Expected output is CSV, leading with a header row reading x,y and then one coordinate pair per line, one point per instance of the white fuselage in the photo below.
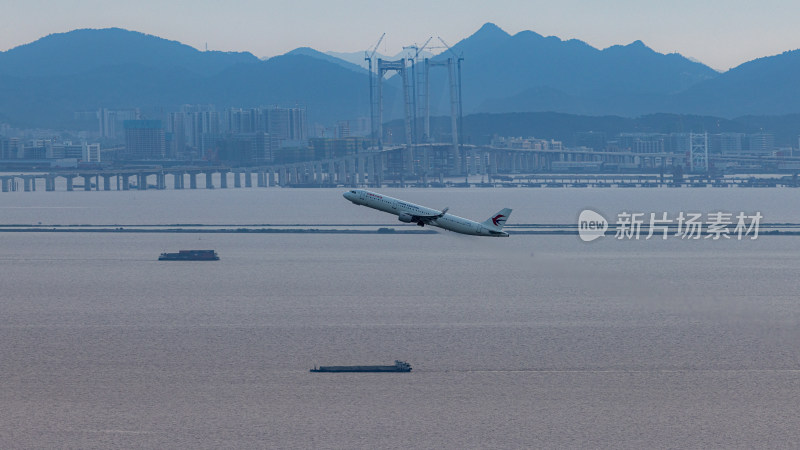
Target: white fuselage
x,y
406,210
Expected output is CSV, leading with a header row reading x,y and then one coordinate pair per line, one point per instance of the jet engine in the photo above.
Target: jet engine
x,y
405,217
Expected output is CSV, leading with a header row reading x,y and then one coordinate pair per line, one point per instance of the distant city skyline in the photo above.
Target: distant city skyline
x,y
719,33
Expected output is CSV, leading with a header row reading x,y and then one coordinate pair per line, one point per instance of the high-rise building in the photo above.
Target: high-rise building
x,y
243,148
678,143
90,153
5,148
109,120
728,142
176,127
761,142
37,149
144,139
15,149
287,124
343,129
642,142
237,120
62,150
201,123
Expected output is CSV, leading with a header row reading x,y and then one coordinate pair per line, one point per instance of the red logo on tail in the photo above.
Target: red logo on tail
x,y
498,218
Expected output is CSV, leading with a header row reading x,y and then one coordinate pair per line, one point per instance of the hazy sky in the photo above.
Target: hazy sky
x,y
720,33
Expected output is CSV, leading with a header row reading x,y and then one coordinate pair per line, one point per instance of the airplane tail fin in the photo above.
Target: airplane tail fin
x,y
498,220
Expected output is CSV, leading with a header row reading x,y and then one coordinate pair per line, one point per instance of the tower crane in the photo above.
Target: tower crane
x,y
369,55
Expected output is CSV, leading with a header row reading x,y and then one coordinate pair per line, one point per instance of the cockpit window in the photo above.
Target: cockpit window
x,y
352,192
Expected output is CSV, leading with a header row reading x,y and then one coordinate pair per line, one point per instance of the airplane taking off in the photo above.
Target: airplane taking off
x,y
409,212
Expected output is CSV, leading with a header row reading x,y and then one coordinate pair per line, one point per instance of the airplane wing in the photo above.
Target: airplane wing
x,y
426,219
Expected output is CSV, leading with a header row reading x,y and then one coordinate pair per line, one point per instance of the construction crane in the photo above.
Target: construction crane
x,y
418,50
369,55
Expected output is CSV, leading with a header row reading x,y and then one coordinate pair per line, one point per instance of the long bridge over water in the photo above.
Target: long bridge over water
x,y
420,165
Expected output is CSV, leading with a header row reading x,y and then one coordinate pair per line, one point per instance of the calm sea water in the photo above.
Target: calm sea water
x,y
530,341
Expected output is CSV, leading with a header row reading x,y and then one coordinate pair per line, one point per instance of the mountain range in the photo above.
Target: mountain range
x,y
530,72
43,83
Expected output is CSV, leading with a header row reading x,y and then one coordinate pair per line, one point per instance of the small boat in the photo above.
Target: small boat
x,y
399,366
190,255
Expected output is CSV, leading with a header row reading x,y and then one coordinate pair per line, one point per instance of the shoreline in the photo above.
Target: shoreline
x,y
383,231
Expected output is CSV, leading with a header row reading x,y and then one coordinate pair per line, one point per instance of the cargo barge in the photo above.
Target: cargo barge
x,y
190,255
399,366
